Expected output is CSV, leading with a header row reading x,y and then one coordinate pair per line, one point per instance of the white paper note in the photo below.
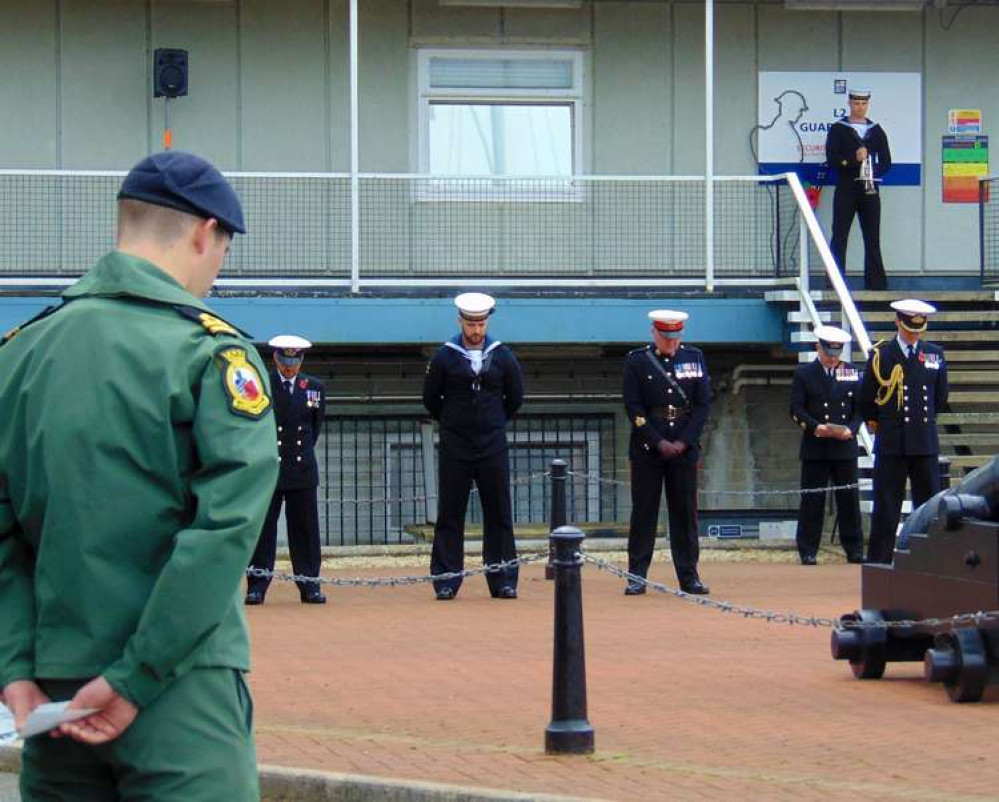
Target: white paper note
x,y
8,732
49,716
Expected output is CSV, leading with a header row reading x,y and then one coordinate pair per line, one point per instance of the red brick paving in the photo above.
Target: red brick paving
x,y
687,703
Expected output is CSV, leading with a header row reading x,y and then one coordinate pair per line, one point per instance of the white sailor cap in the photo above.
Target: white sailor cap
x,y
288,348
832,335
475,305
858,93
913,314
668,322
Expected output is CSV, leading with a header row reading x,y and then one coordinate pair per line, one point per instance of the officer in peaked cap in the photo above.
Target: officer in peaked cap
x,y
825,405
903,390
473,386
852,141
666,395
299,407
127,517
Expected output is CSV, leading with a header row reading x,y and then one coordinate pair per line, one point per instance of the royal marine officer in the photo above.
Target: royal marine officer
x,y
853,144
666,395
903,390
299,407
473,387
136,460
825,404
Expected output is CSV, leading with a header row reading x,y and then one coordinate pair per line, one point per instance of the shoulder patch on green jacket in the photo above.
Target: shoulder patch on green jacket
x,y
12,333
212,323
242,383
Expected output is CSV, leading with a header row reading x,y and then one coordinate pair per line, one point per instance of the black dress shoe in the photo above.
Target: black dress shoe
x,y
254,597
445,594
696,588
314,598
856,558
808,559
635,589
507,592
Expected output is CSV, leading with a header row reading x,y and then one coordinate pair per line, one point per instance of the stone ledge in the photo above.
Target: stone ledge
x,y
279,784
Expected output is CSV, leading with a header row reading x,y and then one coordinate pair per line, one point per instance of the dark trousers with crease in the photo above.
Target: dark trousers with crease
x,y
811,513
491,476
649,479
890,473
848,202
303,539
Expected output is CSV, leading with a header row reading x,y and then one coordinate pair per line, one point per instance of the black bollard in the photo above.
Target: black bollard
x,y
560,471
569,733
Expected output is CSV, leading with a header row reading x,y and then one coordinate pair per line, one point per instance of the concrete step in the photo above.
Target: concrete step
x,y
964,316
968,418
972,376
887,296
972,355
987,397
961,461
982,440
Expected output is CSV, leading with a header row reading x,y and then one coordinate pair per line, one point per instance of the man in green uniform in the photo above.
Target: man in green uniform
x,y
137,458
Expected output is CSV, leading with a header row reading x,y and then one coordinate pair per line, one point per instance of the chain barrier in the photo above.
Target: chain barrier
x,y
363,502
595,477
394,581
791,619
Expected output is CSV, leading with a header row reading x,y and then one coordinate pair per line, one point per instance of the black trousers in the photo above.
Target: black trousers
x,y
890,473
302,516
850,201
492,477
811,513
649,479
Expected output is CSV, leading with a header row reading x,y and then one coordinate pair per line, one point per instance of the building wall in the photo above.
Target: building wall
x,y
269,87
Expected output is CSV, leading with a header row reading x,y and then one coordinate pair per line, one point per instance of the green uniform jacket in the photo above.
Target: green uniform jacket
x,y
138,455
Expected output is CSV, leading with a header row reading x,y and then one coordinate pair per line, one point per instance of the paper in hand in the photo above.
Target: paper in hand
x,y
8,732
49,716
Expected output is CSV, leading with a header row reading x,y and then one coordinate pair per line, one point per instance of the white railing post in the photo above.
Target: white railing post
x,y
709,146
803,267
355,204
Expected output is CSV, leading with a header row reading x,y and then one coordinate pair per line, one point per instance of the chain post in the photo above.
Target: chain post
x,y
559,474
570,732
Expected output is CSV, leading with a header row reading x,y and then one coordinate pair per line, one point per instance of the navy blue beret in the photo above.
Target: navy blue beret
x,y
187,183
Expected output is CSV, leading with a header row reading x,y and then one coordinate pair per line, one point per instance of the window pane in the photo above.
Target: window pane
x,y
496,139
481,73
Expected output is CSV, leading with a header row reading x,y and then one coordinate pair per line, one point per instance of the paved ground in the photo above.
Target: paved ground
x,y
687,703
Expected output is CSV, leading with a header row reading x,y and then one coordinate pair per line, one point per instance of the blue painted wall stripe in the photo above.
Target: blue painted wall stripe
x,y
373,321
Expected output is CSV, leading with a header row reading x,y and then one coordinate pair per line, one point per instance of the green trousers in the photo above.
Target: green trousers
x,y
193,744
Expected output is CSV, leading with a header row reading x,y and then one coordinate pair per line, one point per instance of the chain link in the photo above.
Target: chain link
x,y
791,619
801,491
394,581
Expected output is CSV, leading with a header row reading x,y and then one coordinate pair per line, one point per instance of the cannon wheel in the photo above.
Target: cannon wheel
x,y
871,662
972,675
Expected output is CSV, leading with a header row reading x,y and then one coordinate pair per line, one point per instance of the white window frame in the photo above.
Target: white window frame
x,y
574,96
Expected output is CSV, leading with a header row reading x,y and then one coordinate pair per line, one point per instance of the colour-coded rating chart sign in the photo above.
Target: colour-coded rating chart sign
x,y
965,160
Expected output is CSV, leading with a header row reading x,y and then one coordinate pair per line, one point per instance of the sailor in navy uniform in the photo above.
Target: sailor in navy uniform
x,y
903,390
299,406
850,141
666,396
473,386
825,404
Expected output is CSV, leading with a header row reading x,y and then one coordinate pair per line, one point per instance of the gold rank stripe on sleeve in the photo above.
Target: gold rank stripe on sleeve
x,y
213,324
243,385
